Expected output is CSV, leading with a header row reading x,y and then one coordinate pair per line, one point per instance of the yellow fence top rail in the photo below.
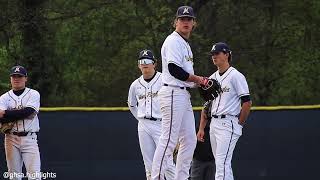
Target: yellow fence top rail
x,y
254,108
84,109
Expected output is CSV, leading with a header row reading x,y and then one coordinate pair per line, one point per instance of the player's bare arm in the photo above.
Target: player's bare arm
x,y
244,113
202,125
199,80
181,74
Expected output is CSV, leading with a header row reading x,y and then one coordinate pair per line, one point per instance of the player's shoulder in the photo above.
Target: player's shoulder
x,y
136,81
173,35
33,92
5,95
214,75
172,39
159,77
237,75
235,72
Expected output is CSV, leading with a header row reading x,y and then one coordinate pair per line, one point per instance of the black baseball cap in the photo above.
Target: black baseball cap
x,y
220,47
146,54
146,57
185,11
18,70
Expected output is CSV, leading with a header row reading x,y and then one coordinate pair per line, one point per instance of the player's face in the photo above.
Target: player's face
x,y
184,25
18,82
147,68
219,58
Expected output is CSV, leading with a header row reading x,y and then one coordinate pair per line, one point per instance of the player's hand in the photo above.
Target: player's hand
x,y
200,80
203,81
200,135
241,123
2,112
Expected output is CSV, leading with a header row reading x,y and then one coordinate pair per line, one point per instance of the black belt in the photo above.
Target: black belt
x,y
23,133
221,116
186,88
152,119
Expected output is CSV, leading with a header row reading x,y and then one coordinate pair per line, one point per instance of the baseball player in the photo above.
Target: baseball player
x,y
203,165
20,107
143,103
229,111
178,123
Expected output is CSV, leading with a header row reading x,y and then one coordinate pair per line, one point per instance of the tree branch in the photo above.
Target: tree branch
x,y
65,16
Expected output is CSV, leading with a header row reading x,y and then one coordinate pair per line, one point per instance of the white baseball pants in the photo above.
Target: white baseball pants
x,y
23,149
224,134
149,133
178,124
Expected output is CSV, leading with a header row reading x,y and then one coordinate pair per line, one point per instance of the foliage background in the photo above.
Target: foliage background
x,y
84,52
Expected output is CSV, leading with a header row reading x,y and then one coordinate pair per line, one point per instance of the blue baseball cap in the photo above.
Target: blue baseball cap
x,y
220,47
146,57
185,11
18,70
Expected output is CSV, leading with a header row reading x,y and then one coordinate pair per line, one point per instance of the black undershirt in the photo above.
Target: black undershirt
x,y
148,80
224,71
183,37
19,92
14,115
245,99
178,72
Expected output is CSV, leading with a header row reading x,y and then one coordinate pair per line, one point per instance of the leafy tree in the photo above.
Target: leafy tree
x,y
84,53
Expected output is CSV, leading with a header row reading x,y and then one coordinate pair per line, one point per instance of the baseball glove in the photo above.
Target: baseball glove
x,y
6,127
211,90
175,153
207,108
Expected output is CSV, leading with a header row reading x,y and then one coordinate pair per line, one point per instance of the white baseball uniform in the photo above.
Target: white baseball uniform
x,y
178,123
225,129
23,149
143,103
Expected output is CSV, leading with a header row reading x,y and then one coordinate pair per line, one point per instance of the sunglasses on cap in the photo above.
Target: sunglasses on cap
x,y
145,61
216,53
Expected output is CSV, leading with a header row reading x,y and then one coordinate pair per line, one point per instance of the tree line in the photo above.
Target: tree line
x,y
84,52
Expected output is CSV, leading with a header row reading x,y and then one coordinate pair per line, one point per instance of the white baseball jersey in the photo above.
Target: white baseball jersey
x,y
178,118
178,51
29,98
234,85
146,95
143,103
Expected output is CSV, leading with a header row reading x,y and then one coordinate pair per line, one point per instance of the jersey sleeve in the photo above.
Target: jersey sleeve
x,y
240,84
173,53
132,100
34,101
3,105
